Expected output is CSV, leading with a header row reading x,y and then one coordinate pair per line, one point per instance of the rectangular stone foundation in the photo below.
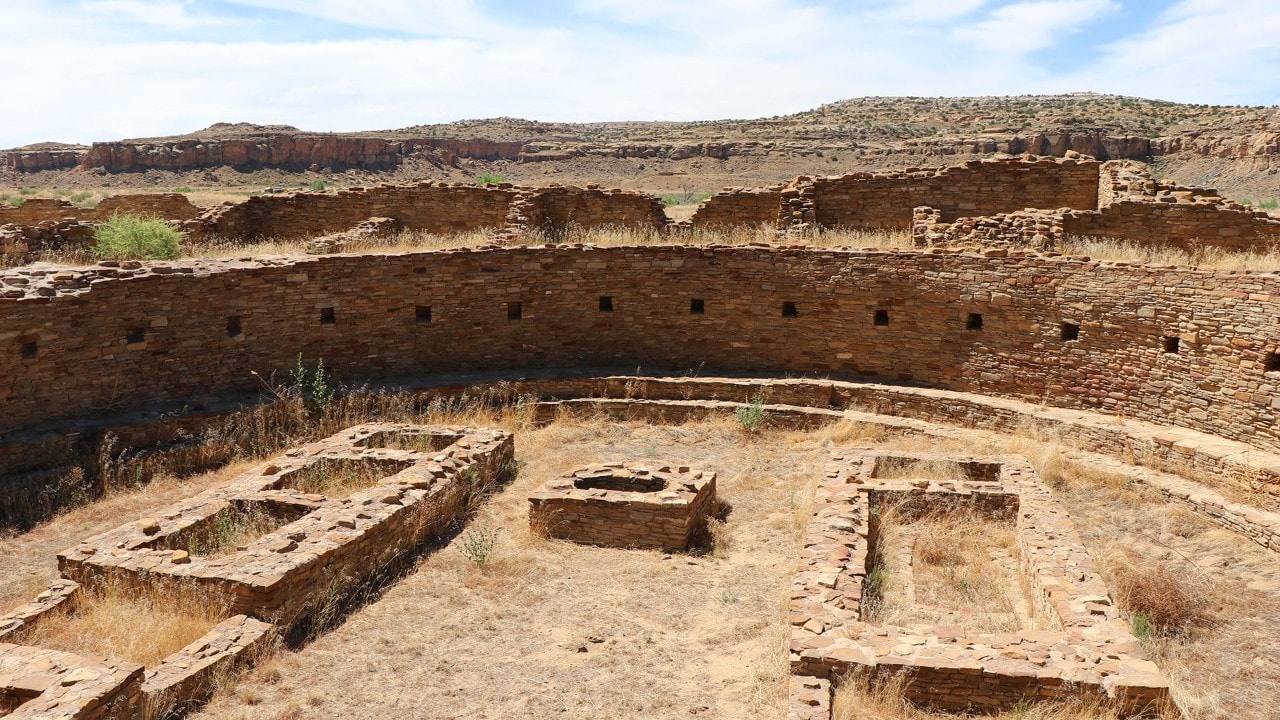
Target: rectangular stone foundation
x,y
657,506
1093,652
283,575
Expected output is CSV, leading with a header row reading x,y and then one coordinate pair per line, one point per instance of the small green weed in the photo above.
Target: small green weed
x,y
477,545
317,185
1142,626
490,179
183,189
315,388
752,418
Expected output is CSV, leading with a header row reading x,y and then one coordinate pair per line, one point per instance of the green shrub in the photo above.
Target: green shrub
x,y
490,179
136,237
1269,204
477,545
317,185
81,196
184,189
752,418
16,201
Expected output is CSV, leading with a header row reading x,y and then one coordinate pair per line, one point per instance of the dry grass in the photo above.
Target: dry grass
x,y
864,696
142,627
1211,257
1159,600
607,236
456,640
232,528
947,568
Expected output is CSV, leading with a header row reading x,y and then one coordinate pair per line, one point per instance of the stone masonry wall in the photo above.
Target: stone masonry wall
x,y
1034,229
739,207
884,200
1173,346
553,210
433,207
1185,225
169,206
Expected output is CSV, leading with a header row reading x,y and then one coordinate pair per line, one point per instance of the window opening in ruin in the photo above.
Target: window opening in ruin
x,y
422,313
1070,331
606,303
233,326
974,322
789,310
882,318
697,307
328,316
30,348
1172,344
136,335
1273,362
514,311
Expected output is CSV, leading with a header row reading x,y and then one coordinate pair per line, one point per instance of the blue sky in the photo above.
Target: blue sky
x,y
104,69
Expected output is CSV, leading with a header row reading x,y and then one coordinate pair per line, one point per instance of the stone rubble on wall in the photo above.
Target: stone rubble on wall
x,y
55,685
370,232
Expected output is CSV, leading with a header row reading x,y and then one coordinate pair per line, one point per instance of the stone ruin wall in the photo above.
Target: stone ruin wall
x,y
553,210
1133,207
739,207
79,342
170,206
884,200
432,207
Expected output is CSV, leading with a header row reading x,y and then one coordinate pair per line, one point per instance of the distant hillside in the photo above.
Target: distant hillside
x,y
1236,148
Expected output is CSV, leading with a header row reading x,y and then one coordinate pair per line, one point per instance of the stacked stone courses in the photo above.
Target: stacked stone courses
x,y
282,575
124,336
1091,652
651,505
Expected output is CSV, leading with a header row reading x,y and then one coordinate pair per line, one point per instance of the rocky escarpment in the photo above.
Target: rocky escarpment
x,y
1193,143
286,149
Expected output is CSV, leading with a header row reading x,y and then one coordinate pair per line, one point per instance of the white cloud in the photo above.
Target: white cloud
x,y
1025,27
1198,51
100,78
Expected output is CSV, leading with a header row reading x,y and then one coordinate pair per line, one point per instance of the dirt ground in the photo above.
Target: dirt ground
x,y
554,630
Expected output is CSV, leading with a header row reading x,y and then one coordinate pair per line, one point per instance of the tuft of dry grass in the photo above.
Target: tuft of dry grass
x,y
1210,257
881,696
1159,600
953,567
142,627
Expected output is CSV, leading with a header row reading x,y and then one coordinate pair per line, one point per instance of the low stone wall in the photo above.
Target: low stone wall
x,y
431,207
167,206
188,677
651,505
283,575
1094,653
884,200
552,211
737,208
1033,229
37,684
1190,226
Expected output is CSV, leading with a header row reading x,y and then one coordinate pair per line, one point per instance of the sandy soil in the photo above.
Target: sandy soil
x,y
555,630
